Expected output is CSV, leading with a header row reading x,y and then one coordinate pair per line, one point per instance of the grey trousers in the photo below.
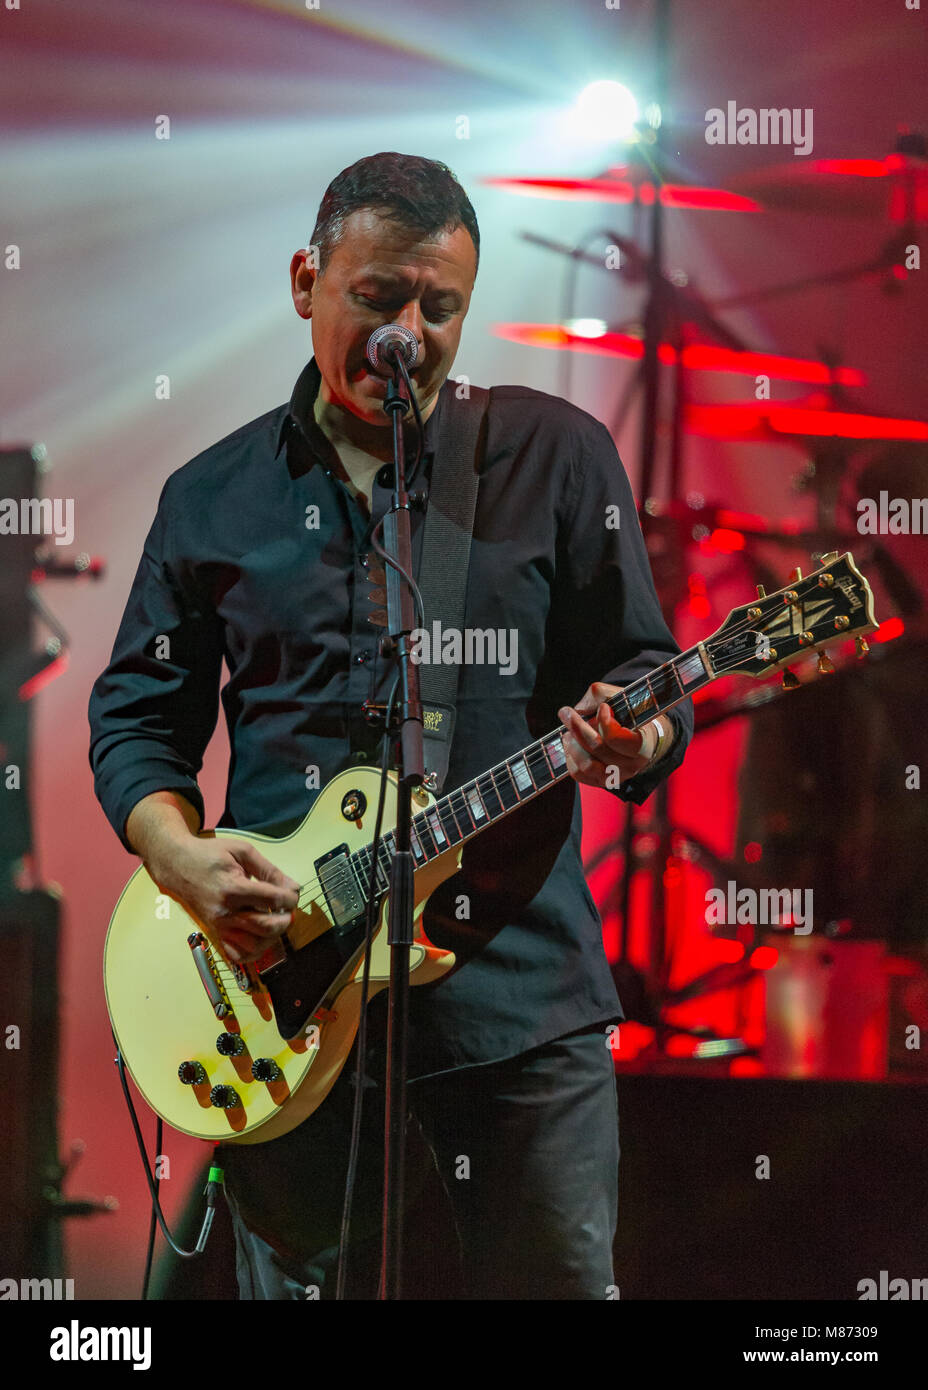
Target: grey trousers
x,y
527,1150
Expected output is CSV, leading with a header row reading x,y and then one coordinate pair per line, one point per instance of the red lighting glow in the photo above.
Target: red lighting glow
x,y
764,958
861,168
696,357
699,603
723,541
747,422
888,631
613,190
44,677
727,952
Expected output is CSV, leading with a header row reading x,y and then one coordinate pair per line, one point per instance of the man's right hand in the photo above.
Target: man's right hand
x,y
241,898
210,877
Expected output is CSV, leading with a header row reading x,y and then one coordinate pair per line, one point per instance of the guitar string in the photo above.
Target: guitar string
x,y
312,886
310,892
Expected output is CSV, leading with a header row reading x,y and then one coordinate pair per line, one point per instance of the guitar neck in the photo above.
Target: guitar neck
x,y
460,815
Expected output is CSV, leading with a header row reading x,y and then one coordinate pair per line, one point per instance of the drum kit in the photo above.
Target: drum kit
x,y
824,795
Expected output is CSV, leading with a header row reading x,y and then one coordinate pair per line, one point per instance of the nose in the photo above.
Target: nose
x,y
411,317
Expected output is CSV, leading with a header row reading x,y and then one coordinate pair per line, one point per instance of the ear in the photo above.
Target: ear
x,y
303,275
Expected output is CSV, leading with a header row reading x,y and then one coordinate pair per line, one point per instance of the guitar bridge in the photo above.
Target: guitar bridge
x,y
205,962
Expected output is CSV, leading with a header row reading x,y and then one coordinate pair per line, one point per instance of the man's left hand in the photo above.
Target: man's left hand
x,y
603,753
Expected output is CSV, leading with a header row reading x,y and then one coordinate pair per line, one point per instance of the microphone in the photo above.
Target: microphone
x,y
388,340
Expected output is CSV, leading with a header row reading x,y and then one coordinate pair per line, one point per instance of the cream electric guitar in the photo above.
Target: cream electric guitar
x,y
245,1053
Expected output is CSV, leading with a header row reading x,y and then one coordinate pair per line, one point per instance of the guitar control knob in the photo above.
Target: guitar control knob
x,y
191,1073
224,1097
230,1044
265,1069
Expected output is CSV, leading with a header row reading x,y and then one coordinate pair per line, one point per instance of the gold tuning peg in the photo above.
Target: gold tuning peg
x,y
790,682
796,574
825,664
761,591
863,646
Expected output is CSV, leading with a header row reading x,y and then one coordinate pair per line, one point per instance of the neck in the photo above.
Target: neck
x,y
345,430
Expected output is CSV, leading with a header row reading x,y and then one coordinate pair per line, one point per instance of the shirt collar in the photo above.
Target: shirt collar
x,y
299,418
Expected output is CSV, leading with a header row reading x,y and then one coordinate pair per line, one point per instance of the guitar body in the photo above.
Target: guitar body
x,y
175,1002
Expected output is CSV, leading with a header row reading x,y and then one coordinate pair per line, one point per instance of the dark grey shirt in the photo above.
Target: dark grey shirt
x,y
239,567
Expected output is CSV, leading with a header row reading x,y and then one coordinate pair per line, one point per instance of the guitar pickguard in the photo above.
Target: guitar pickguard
x,y
299,984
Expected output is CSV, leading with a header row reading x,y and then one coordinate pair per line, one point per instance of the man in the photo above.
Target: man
x,y
510,1066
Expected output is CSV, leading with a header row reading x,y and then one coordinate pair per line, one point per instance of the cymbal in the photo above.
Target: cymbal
x,y
615,187
767,422
895,187
599,339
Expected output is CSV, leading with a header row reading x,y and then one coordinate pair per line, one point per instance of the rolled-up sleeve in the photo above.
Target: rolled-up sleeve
x,y
153,710
618,630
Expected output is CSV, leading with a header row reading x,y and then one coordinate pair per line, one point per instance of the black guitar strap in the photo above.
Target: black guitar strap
x,y
443,565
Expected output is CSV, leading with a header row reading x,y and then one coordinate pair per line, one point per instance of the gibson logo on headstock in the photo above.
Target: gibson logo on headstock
x,y
849,590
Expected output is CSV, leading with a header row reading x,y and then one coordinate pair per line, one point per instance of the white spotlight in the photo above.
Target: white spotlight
x,y
607,111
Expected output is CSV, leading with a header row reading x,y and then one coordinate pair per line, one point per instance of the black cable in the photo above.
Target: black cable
x,y
395,564
214,1183
420,428
153,1222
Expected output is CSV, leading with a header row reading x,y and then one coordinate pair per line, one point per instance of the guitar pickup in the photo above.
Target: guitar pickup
x,y
205,962
342,895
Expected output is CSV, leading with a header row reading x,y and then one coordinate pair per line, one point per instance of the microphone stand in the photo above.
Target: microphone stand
x,y
409,759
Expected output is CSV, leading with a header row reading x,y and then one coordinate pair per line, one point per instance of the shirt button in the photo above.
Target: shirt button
x,y
364,561
361,658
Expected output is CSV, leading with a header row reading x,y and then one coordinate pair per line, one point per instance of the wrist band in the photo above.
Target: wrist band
x,y
663,741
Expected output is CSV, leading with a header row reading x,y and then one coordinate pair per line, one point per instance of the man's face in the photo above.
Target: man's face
x,y
381,272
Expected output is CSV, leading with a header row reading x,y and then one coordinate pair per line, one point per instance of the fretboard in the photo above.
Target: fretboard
x,y
471,808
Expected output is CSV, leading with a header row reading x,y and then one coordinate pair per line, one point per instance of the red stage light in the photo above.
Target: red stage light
x,y
861,168
747,421
764,958
715,359
724,541
44,677
699,603
888,631
697,357
743,520
707,199
844,424
727,952
610,189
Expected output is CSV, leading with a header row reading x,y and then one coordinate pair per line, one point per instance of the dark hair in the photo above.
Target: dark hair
x,y
418,193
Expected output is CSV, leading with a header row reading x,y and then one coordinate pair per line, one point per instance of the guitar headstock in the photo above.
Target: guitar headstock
x,y
833,603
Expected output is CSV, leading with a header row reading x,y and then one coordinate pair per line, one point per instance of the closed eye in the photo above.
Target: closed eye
x,y
385,306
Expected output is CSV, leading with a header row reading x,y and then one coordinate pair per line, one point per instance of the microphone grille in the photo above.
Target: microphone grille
x,y
392,332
